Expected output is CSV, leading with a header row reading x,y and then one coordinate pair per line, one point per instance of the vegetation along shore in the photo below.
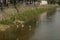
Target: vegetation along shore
x,y
26,16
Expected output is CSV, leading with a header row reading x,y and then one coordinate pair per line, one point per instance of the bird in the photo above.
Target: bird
x,y
21,22
30,27
17,26
22,25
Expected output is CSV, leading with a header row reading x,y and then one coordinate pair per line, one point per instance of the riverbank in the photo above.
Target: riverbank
x,y
26,16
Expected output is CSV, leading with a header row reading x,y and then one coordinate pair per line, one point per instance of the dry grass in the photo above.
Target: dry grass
x,y
4,27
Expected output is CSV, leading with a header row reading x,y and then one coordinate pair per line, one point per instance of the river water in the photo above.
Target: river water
x,y
46,28
49,27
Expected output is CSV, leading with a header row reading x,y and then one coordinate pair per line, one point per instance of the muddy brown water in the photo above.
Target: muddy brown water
x,y
46,28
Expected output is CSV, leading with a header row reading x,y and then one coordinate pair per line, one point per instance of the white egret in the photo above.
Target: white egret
x,y
30,27
22,25
17,26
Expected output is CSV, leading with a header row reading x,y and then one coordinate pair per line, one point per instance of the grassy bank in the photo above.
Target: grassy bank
x,y
26,16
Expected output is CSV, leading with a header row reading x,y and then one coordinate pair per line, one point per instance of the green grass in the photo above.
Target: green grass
x,y
25,16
